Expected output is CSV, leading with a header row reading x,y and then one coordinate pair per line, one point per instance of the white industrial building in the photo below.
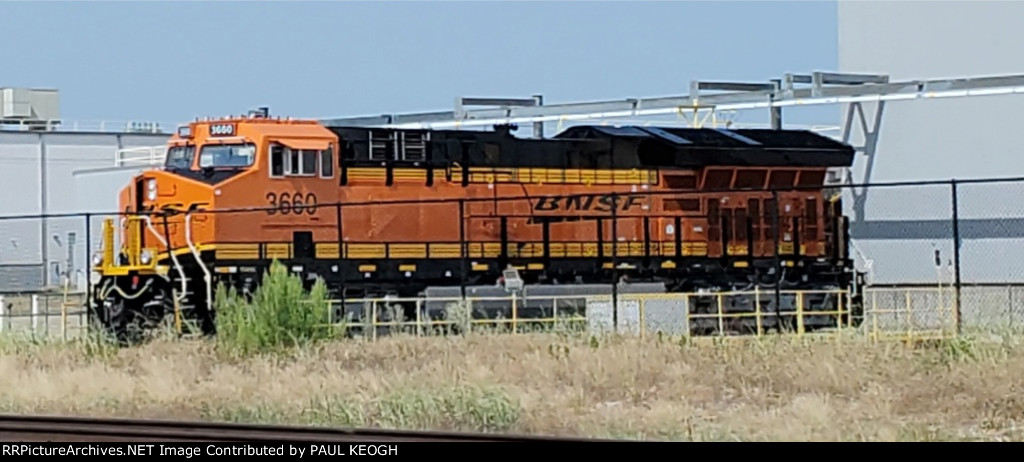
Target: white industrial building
x,y
50,168
961,138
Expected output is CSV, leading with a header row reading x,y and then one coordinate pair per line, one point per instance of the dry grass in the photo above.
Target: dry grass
x,y
549,384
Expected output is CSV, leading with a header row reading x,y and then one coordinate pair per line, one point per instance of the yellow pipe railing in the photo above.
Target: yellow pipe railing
x,y
635,309
899,313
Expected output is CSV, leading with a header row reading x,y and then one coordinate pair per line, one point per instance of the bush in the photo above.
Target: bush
x,y
281,314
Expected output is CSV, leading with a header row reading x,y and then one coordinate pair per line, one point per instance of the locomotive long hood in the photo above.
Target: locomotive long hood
x,y
701,147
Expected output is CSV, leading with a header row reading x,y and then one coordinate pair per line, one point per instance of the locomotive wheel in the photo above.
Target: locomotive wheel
x,y
159,317
121,321
205,321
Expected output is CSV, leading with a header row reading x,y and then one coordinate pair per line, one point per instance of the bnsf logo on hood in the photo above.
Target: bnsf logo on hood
x,y
603,203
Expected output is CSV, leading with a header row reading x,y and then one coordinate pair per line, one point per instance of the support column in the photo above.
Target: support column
x,y
776,116
776,112
538,127
44,228
868,148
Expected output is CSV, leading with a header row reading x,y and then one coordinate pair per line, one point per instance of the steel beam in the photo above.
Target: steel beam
x,y
697,85
496,102
835,78
385,120
505,104
538,127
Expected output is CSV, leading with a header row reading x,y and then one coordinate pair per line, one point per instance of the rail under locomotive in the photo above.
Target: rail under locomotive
x,y
433,213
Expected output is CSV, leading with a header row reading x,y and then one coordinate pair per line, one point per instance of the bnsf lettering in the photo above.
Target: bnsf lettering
x,y
589,203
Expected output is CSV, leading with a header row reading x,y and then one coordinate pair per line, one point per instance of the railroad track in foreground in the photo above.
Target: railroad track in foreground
x,y
17,428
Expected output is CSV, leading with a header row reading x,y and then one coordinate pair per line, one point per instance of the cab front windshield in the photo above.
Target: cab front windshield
x,y
180,157
227,155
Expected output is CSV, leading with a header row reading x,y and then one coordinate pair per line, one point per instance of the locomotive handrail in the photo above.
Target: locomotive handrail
x,y
471,200
195,253
174,258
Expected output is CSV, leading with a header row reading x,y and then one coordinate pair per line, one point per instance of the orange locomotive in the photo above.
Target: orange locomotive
x,y
375,212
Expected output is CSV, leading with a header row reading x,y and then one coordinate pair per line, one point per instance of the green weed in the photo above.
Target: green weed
x,y
280,315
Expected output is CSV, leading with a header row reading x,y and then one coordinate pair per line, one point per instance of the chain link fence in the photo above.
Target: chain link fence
x,y
942,256
941,252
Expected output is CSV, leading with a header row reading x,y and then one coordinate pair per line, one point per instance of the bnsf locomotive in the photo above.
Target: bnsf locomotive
x,y
431,213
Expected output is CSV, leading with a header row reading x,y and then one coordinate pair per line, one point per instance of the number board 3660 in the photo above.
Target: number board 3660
x,y
222,130
291,203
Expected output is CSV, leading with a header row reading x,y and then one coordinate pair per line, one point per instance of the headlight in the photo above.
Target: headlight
x,y
151,189
97,259
146,257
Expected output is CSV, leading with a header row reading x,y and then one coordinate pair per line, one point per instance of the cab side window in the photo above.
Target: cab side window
x,y
288,162
327,163
307,163
276,161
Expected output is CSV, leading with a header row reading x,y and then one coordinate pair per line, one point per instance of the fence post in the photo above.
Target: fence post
x,y
641,306
956,253
1010,305
463,247
419,318
757,308
35,313
63,317
373,319
721,320
778,260
88,272
615,265
800,313
341,262
5,315
515,315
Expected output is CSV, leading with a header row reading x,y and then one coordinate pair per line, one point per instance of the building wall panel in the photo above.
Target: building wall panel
x,y
30,185
940,139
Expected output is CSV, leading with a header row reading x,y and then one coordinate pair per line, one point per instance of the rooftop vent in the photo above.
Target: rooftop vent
x,y
32,108
261,112
142,127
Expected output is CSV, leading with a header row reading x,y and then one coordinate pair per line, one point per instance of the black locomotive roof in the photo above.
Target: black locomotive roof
x,y
708,137
712,146
601,146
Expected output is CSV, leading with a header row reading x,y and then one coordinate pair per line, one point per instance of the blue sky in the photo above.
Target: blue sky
x,y
173,61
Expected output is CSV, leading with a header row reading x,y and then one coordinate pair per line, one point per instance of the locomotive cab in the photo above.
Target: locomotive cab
x,y
222,163
167,229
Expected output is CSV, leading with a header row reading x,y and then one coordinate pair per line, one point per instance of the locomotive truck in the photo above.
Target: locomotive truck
x,y
377,212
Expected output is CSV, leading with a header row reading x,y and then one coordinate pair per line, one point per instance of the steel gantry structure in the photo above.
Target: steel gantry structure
x,y
792,90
